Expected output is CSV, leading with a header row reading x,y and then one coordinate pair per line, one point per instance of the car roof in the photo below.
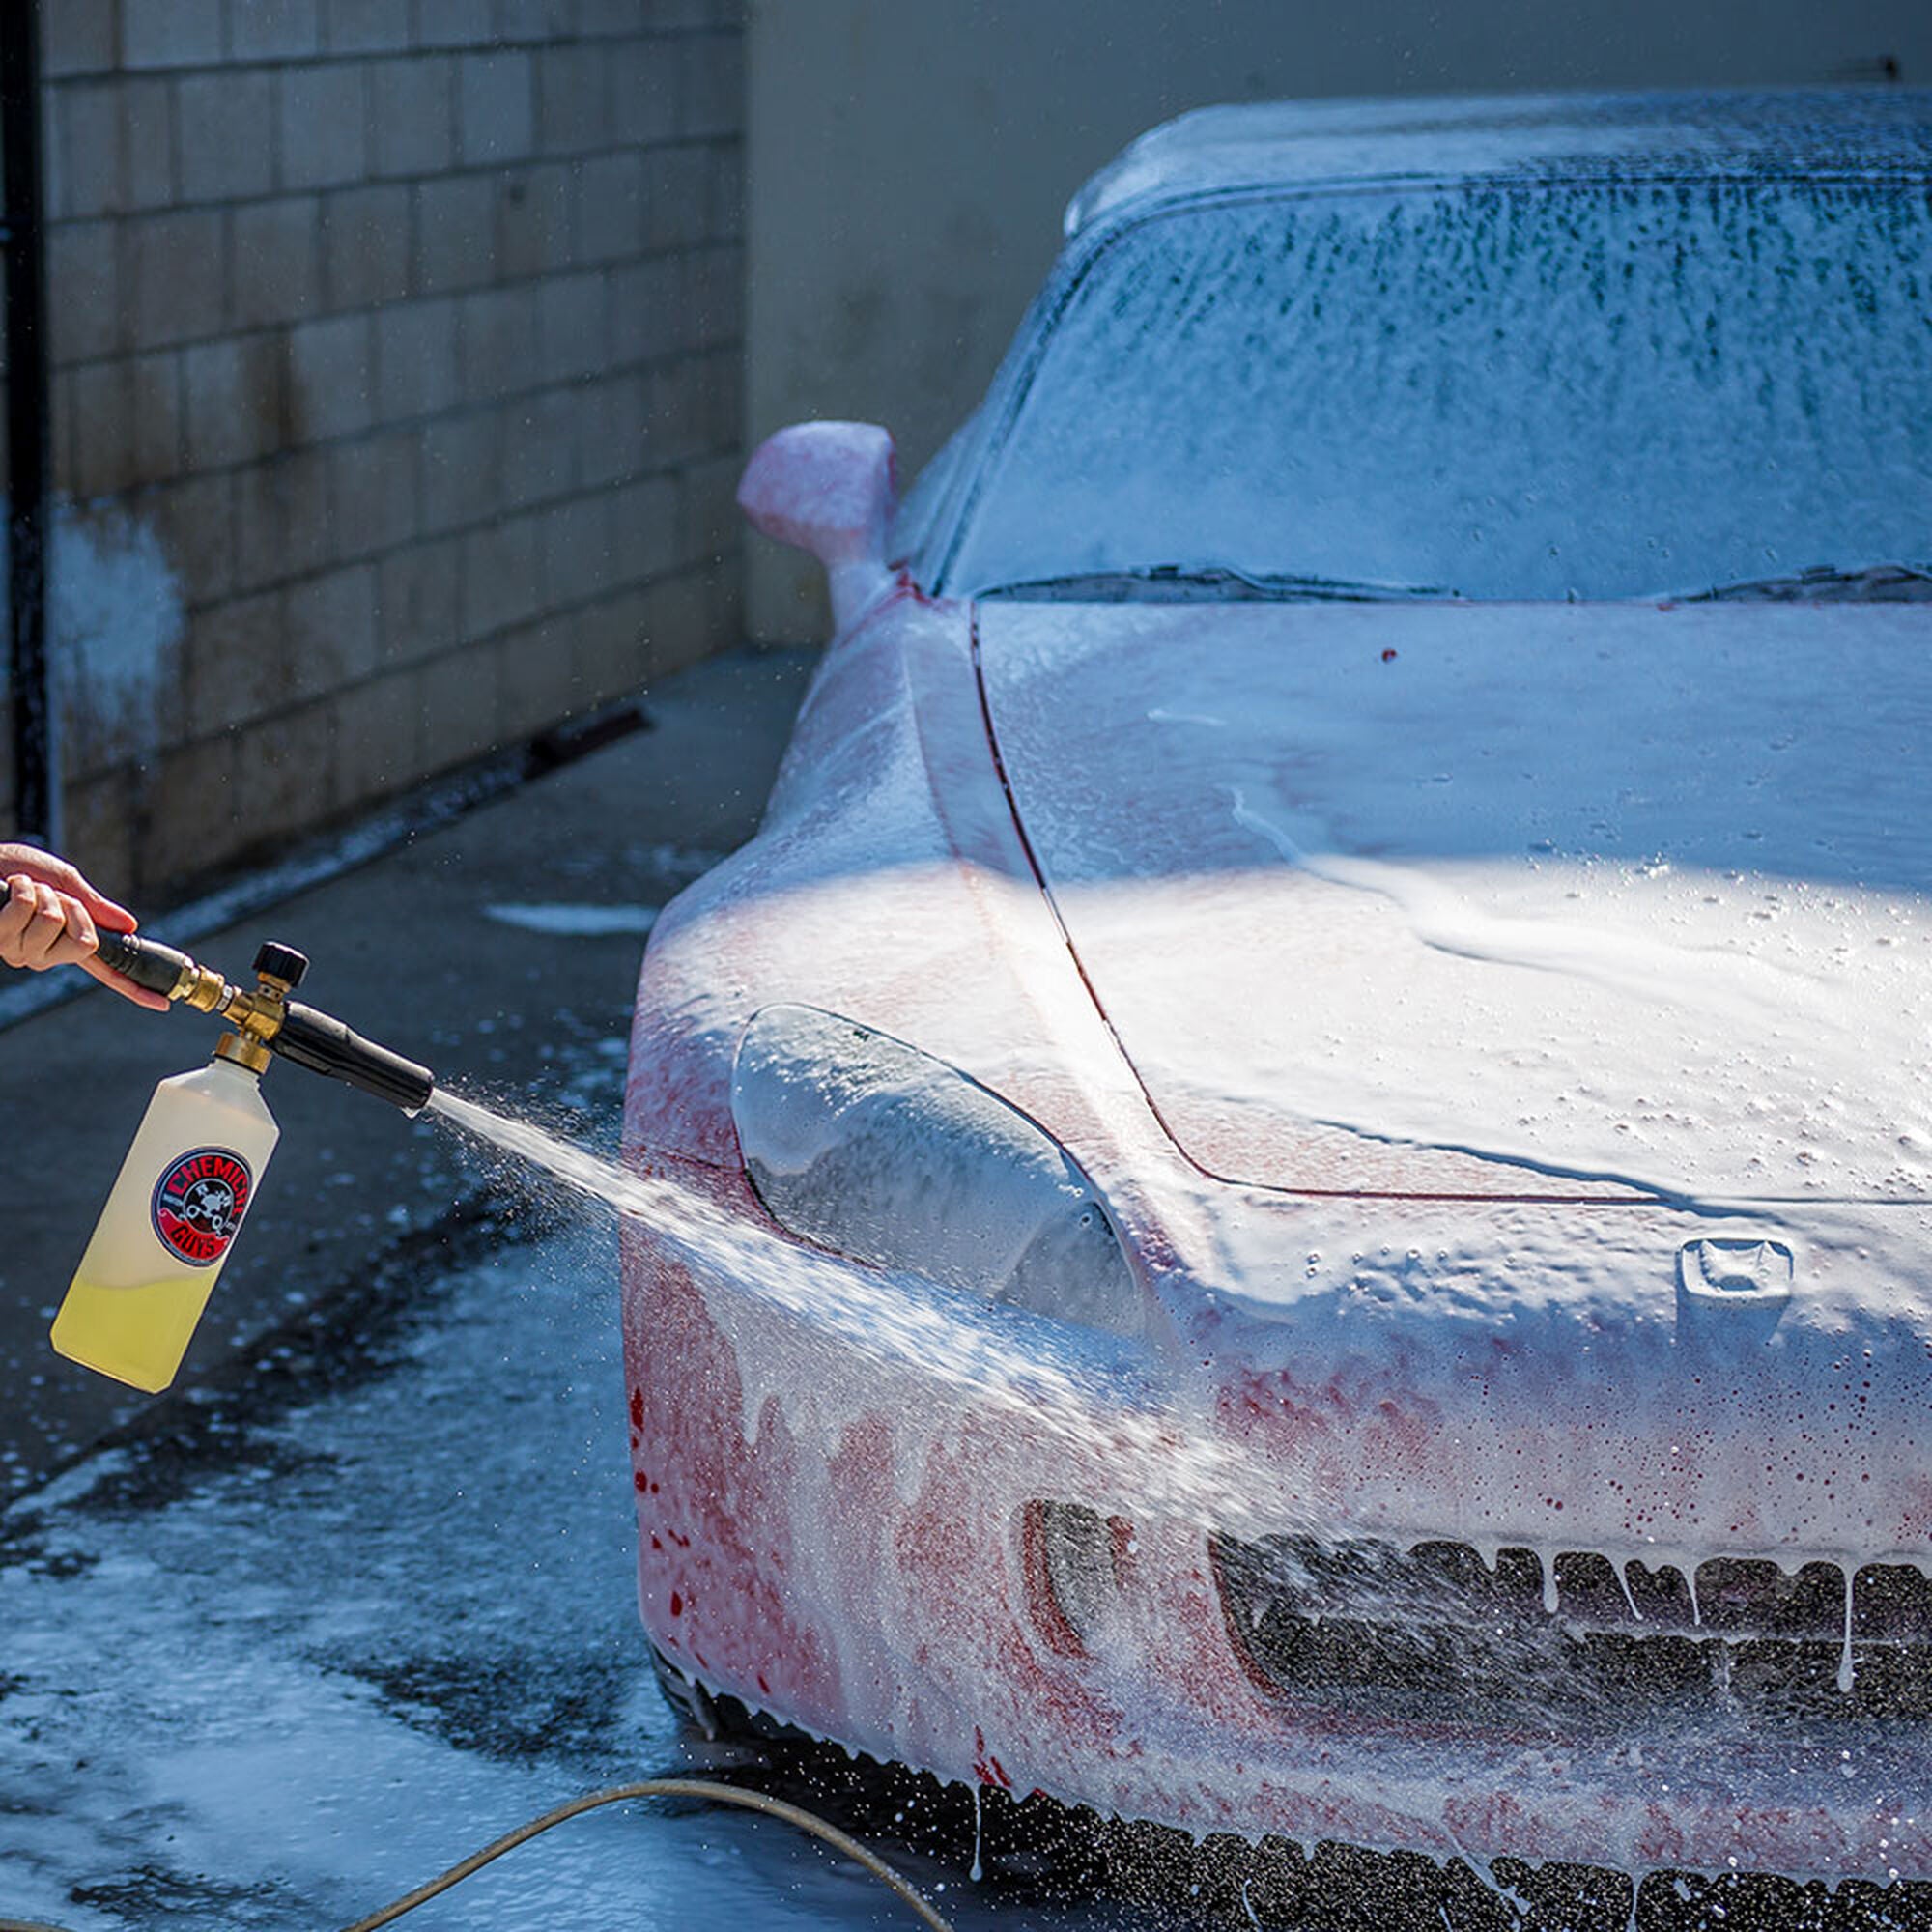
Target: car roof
x,y
1293,144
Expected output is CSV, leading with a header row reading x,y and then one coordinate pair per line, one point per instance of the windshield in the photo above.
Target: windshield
x,y
1577,389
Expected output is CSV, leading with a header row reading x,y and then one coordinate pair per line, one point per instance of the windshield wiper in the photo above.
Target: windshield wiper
x,y
1826,584
1216,583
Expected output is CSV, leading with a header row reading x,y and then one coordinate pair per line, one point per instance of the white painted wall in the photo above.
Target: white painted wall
x,y
908,159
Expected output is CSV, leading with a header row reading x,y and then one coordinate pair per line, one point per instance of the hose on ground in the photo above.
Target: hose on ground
x,y
649,1787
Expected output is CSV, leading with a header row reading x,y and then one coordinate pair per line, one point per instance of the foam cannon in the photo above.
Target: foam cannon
x,y
199,1155
267,1022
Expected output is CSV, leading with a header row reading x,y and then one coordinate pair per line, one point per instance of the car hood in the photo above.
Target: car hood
x,y
1512,900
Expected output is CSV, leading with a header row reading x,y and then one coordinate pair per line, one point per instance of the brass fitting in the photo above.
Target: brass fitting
x,y
257,1017
201,987
243,1052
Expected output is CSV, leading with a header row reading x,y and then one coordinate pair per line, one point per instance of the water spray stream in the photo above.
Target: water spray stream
x,y
577,1167
1128,1434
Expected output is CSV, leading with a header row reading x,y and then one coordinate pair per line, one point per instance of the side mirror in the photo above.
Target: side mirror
x,y
827,488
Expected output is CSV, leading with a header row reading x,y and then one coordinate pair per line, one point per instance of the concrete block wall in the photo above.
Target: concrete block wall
x,y
396,402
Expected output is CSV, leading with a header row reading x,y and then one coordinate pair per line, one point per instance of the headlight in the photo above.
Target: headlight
x,y
862,1143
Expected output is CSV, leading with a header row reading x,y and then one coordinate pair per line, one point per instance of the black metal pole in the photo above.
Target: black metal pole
x,y
36,798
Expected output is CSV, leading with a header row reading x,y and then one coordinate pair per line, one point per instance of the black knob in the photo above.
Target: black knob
x,y
281,962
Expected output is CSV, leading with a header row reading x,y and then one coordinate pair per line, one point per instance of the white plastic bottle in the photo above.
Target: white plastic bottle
x,y
170,1223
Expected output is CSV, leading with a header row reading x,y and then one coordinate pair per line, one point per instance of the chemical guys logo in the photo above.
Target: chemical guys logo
x,y
199,1203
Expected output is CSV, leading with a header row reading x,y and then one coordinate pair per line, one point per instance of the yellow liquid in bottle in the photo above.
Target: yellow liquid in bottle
x,y
137,1335
166,1230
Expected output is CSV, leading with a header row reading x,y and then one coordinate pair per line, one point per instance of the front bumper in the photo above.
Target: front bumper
x,y
952,1537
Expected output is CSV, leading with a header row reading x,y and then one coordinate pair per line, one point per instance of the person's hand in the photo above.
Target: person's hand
x,y
53,916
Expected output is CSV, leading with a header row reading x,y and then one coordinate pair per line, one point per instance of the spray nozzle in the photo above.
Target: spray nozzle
x,y
267,1022
324,1045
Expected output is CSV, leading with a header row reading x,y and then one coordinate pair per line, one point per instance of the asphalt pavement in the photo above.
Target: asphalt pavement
x,y
499,949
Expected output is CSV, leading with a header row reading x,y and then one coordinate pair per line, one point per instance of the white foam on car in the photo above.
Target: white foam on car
x,y
856,1320
1602,890
1502,1373
1512,389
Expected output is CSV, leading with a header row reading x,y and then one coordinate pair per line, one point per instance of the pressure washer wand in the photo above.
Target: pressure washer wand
x,y
268,1019
199,1156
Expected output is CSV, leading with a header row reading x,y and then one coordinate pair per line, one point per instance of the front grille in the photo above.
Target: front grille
x,y
1434,1632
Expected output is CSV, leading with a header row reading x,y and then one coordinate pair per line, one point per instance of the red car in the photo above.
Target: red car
x,y
1314,1107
